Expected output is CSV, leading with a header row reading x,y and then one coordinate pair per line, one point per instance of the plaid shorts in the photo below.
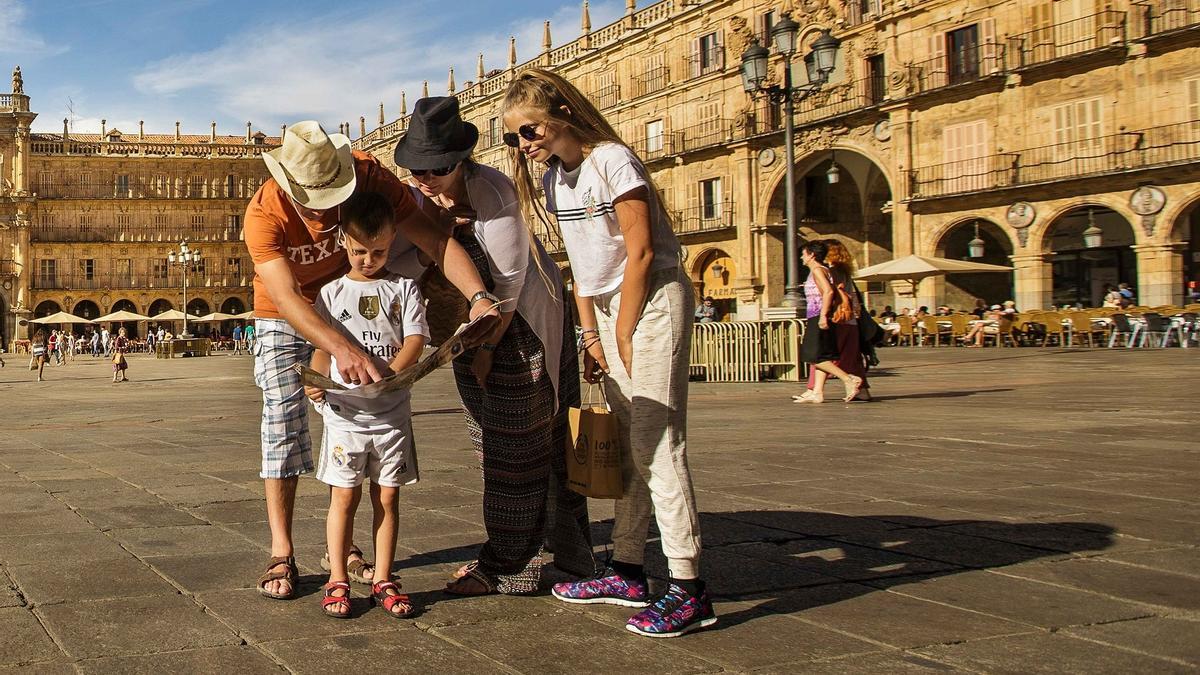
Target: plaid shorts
x,y
286,444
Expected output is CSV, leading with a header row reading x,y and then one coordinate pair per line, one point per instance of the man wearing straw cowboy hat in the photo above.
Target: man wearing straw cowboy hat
x,y
292,230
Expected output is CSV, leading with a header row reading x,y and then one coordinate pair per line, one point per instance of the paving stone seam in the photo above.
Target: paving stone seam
x,y
470,650
1126,648
1066,634
1165,611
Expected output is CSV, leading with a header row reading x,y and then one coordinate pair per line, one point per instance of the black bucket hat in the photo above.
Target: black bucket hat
x,y
437,135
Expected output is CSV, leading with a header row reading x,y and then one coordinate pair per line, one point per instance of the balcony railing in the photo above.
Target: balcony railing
x,y
101,281
958,67
133,185
14,103
652,148
132,234
48,145
608,97
709,133
705,218
1073,38
861,11
1166,16
651,81
1149,148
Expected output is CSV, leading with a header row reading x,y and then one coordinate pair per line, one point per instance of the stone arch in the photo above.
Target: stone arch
x,y
713,272
124,305
131,327
86,309
198,307
1046,222
1184,234
774,180
159,306
233,305
1079,274
961,290
46,308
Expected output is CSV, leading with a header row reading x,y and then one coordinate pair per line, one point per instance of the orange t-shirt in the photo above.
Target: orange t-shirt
x,y
273,229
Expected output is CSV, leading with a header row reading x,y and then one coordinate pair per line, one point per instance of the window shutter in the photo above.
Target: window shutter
x,y
720,55
1193,98
990,52
937,62
693,202
1041,44
760,29
694,60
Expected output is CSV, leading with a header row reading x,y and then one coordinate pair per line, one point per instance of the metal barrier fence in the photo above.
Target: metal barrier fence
x,y
748,351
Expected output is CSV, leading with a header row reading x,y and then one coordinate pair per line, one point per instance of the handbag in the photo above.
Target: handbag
x,y
869,332
843,305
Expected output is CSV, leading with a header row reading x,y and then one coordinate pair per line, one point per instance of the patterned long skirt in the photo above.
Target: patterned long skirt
x,y
520,440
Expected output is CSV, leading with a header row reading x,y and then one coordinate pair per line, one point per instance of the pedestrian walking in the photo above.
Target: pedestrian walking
x,y
120,347
845,332
39,356
824,296
625,259
516,387
237,339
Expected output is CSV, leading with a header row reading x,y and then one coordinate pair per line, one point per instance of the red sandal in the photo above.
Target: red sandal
x,y
380,596
330,599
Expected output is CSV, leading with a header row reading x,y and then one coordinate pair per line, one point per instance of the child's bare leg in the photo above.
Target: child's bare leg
x,y
343,502
387,512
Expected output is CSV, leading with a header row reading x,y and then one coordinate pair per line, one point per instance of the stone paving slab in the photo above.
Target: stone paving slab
x,y
1018,525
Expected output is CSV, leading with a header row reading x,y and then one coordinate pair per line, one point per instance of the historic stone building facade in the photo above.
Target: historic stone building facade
x,y
87,220
1025,120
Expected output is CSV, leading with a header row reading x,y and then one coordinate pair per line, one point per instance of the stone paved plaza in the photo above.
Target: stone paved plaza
x,y
996,511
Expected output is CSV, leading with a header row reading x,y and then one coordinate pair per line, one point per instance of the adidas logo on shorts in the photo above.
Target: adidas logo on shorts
x,y
344,316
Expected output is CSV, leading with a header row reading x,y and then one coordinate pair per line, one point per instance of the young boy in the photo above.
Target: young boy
x,y
368,437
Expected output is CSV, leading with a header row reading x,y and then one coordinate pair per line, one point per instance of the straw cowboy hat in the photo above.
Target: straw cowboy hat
x,y
316,169
437,136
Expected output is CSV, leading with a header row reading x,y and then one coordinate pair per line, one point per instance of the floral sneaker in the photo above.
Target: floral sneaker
x,y
610,590
674,614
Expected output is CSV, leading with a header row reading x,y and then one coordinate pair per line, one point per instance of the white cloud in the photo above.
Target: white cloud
x,y
336,71
16,38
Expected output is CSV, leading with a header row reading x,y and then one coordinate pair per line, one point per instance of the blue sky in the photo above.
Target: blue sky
x,y
265,61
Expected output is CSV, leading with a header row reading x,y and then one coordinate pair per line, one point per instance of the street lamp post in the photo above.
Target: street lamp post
x,y
820,63
186,260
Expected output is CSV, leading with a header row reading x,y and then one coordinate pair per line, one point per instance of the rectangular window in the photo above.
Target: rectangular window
x,y
124,220
87,268
160,270
766,21
709,53
710,199
46,218
654,75
962,48
654,138
45,183
47,271
877,78
86,220
161,185
1074,26
966,150
122,186
1193,106
231,186
160,220
1078,134
494,134
85,184
233,267
123,270
197,222
196,187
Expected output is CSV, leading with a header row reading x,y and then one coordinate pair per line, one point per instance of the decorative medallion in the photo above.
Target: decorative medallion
x,y
766,157
1020,215
882,131
1147,200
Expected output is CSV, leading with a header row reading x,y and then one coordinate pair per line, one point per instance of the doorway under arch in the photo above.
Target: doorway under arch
x,y
86,309
233,305
197,307
1080,274
713,276
46,308
131,327
159,306
1187,231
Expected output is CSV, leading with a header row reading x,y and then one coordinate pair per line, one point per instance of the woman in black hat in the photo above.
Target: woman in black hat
x,y
517,386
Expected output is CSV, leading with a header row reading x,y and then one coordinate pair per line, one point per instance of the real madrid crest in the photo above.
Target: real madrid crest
x,y
368,306
394,313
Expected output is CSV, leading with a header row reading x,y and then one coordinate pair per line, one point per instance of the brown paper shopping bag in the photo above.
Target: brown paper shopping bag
x,y
594,449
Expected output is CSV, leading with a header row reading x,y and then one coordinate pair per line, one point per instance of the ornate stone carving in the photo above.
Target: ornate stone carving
x,y
18,83
740,36
899,81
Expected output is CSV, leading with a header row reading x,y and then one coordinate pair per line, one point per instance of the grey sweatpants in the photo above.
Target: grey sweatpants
x,y
651,410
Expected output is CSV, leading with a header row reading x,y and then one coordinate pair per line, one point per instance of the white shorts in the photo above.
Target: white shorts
x,y
388,458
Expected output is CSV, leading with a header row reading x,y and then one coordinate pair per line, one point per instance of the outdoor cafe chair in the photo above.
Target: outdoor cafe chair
x,y
1053,326
906,331
960,325
1083,328
1121,328
1157,329
933,330
1188,328
1004,332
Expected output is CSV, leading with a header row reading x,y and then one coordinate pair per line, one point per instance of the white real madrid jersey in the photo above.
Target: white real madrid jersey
x,y
376,315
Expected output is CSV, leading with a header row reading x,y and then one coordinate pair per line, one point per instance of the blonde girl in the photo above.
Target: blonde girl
x,y
635,308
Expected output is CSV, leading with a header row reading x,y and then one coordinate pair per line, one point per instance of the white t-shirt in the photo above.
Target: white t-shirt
x,y
375,315
582,201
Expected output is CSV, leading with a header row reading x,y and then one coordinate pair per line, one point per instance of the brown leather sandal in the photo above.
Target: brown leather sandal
x,y
290,573
354,568
472,582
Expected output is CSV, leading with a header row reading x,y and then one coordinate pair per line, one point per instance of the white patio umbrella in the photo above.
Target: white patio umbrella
x,y
211,318
62,317
245,316
914,268
122,316
169,315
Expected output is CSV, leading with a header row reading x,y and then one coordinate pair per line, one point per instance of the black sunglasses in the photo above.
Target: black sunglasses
x,y
527,131
444,171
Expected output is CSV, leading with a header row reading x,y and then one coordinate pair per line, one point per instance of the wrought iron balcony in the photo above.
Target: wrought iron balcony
x,y
1168,16
1149,148
607,97
705,218
1068,39
106,280
651,81
134,234
955,68
653,148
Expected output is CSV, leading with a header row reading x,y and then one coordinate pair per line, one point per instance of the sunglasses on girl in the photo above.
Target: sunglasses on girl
x,y
444,171
527,131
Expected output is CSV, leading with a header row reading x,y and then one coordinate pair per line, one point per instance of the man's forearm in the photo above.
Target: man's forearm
x,y
460,270
300,315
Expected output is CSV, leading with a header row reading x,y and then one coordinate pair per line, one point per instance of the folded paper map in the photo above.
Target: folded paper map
x,y
404,379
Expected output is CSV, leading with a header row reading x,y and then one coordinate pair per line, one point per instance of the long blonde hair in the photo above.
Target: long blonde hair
x,y
548,93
